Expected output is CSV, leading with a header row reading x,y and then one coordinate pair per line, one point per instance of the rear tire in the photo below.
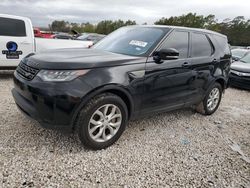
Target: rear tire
x,y
102,121
211,101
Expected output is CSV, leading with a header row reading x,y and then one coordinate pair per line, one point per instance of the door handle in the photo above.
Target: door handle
x,y
186,64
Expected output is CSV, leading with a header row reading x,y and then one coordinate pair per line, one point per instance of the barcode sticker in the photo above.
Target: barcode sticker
x,y
138,43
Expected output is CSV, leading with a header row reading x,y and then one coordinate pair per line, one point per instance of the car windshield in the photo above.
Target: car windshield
x,y
134,41
246,59
238,53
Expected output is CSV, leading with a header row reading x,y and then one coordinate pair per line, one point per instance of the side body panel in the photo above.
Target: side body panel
x,y
171,85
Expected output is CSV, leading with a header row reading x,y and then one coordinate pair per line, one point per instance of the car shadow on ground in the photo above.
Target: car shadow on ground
x,y
60,142
159,116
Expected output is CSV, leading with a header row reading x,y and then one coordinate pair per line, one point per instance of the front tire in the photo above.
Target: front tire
x,y
211,101
102,121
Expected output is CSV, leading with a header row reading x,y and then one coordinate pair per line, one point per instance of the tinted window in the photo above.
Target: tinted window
x,y
135,41
12,27
179,41
200,46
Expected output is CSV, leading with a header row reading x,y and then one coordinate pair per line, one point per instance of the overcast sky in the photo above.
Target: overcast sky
x,y
43,12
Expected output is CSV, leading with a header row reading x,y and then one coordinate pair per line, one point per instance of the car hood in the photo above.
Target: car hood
x,y
240,66
78,58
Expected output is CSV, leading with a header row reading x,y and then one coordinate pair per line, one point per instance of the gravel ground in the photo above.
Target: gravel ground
x,y
176,149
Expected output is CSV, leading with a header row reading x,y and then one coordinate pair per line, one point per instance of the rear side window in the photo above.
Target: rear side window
x,y
12,27
201,47
179,41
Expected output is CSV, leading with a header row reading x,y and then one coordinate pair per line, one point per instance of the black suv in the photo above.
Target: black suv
x,y
135,71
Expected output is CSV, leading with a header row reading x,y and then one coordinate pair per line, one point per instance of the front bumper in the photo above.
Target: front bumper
x,y
53,105
239,81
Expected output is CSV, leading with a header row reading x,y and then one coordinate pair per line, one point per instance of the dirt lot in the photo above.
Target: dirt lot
x,y
177,149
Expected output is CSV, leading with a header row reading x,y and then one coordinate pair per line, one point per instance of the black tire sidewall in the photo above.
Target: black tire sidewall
x,y
83,127
207,111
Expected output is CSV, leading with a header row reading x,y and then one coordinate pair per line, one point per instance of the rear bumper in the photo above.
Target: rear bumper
x,y
53,106
239,81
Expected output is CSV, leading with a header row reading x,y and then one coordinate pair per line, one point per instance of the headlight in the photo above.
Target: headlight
x,y
60,75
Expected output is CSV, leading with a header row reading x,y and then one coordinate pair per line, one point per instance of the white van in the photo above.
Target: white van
x,y
17,41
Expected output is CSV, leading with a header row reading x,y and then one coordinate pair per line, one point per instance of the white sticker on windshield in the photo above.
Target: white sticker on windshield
x,y
138,43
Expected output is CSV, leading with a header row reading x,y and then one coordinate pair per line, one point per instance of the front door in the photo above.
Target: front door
x,y
167,84
16,41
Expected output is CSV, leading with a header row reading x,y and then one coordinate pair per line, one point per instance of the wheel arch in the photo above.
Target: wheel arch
x,y
112,88
222,82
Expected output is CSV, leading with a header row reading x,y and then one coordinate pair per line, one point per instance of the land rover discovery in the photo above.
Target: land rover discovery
x,y
133,72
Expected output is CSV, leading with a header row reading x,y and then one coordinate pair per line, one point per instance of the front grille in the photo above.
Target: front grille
x,y
26,71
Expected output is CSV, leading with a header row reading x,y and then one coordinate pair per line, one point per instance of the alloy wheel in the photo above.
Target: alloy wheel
x,y
105,123
213,99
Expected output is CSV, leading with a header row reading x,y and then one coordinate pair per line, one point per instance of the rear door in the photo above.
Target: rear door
x,y
202,62
16,40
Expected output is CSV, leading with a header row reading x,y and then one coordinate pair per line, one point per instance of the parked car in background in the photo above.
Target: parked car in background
x,y
237,54
42,34
17,41
135,71
63,36
94,37
240,73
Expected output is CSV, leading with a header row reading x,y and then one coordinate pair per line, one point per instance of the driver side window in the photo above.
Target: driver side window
x,y
179,41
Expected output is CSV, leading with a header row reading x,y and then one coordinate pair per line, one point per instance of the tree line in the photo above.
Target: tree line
x,y
103,27
237,29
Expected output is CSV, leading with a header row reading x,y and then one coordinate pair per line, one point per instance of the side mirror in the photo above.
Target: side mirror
x,y
166,54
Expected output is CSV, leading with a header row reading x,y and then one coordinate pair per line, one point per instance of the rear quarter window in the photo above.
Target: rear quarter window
x,y
223,43
12,27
